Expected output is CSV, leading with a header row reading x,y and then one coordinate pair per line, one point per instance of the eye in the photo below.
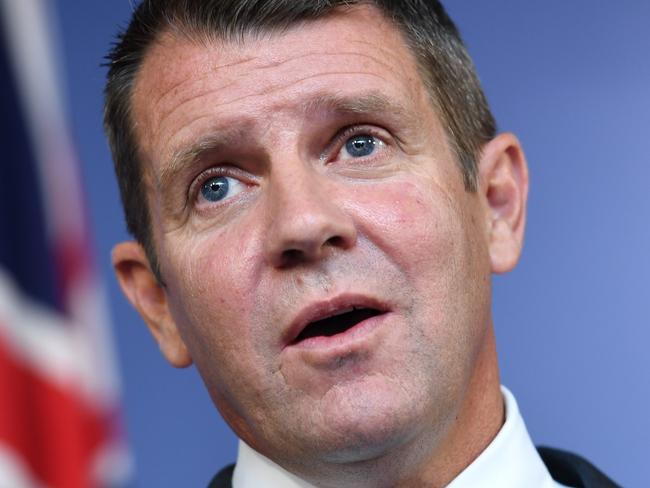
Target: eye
x,y
218,188
361,145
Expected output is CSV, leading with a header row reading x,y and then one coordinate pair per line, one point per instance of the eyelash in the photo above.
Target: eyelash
x,y
195,187
355,130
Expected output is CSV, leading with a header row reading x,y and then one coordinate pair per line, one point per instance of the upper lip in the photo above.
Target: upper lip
x,y
328,308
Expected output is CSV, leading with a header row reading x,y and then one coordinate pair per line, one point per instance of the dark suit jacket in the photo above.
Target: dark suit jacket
x,y
565,467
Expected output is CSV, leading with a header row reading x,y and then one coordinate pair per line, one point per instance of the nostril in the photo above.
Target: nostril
x,y
292,256
335,241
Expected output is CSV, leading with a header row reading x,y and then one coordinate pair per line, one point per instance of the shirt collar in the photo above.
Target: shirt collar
x,y
509,461
254,471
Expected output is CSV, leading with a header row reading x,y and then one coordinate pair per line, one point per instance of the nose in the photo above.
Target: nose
x,y
306,220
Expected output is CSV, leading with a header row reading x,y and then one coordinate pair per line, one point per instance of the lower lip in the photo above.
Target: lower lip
x,y
344,339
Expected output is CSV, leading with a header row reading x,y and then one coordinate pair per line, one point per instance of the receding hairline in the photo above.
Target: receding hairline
x,y
368,102
204,33
178,29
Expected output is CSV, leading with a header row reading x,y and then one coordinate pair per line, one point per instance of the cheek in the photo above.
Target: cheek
x,y
213,309
412,225
430,235
210,301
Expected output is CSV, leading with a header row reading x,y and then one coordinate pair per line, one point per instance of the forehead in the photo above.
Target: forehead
x,y
186,88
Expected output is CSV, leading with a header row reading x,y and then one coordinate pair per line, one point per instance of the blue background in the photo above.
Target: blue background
x,y
572,79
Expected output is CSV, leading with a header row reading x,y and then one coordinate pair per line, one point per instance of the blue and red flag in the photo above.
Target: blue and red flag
x,y
59,402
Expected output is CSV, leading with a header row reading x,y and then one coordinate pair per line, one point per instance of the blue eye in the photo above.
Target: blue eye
x,y
215,189
360,145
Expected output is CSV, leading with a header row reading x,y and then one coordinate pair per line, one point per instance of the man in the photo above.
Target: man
x,y
318,198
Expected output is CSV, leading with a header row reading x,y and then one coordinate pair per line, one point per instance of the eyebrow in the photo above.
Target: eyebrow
x,y
187,156
370,103
366,104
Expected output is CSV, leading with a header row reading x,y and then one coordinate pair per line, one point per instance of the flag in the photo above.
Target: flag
x,y
59,395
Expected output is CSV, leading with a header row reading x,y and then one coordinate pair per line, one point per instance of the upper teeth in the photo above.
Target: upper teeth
x,y
341,312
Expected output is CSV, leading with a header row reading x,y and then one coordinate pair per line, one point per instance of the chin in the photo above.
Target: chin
x,y
363,445
357,423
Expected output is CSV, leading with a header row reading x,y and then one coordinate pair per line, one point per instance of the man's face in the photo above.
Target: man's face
x,y
295,178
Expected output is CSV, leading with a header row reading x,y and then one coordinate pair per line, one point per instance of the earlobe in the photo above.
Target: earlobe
x,y
503,174
145,293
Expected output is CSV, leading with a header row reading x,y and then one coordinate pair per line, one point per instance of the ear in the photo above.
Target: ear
x,y
145,293
503,174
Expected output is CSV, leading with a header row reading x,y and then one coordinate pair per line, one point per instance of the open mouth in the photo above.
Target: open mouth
x,y
336,324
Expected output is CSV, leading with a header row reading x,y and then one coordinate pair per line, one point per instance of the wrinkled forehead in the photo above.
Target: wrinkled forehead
x,y
185,81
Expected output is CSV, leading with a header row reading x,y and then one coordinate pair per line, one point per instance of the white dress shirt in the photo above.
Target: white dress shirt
x,y
509,461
